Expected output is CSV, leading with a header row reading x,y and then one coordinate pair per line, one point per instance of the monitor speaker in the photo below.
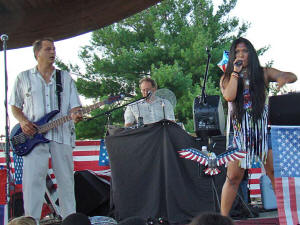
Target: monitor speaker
x,y
285,109
208,116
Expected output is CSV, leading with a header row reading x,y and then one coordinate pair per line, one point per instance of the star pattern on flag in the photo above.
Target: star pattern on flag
x,y
287,143
286,158
18,163
103,156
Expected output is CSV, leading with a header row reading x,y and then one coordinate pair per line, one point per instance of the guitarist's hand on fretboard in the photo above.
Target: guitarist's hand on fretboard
x,y
76,114
28,127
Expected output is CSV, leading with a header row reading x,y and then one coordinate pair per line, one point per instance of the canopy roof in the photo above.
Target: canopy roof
x,y
24,21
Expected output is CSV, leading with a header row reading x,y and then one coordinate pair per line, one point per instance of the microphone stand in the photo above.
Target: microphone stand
x,y
107,113
4,39
203,99
203,94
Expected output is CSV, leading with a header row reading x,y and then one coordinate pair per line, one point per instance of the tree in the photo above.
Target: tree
x,y
167,42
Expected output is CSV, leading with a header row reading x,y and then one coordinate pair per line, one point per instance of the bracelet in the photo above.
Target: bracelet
x,y
235,74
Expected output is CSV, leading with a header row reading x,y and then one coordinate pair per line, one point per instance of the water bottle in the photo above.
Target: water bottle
x,y
204,150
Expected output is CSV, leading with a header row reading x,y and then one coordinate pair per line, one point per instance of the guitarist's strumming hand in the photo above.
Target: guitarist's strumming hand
x,y
28,127
76,114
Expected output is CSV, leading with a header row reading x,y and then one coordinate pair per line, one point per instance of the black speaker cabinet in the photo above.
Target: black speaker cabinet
x,y
209,116
285,109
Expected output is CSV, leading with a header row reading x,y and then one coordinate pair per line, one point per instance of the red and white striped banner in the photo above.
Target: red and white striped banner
x,y
85,156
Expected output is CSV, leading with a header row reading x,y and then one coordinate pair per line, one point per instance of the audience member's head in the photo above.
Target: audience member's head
x,y
23,220
211,219
133,221
76,219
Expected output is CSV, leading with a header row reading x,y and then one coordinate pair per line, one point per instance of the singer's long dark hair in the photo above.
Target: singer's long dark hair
x,y
257,85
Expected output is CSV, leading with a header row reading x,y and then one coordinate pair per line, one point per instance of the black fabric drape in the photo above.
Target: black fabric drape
x,y
149,179
92,194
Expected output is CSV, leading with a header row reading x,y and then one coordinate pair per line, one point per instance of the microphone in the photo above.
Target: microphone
x,y
238,63
4,37
163,106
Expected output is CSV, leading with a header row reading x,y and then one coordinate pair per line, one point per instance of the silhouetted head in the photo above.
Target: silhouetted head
x,y
76,219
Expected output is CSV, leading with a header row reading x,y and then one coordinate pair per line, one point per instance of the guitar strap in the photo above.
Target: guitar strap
x,y
59,88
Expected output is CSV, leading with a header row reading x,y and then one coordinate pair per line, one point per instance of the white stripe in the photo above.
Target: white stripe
x,y
5,214
255,176
287,127
87,148
86,158
255,196
184,153
254,187
286,198
189,156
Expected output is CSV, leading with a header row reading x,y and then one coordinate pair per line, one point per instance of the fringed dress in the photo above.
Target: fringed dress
x,y
251,136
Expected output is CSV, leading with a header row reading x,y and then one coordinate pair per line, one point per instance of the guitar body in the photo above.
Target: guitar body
x,y
24,145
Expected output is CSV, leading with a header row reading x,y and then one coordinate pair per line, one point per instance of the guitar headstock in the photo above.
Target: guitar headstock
x,y
112,99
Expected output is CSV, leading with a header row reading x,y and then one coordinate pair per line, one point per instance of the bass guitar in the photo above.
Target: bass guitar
x,y
22,144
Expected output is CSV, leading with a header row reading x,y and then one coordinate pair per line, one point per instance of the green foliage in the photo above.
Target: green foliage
x,y
167,42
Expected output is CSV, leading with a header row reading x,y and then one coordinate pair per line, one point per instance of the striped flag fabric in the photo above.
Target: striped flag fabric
x,y
254,180
3,179
286,159
86,156
3,205
223,63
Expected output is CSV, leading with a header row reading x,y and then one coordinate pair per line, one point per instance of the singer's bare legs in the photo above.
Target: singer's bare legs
x,y
234,177
270,168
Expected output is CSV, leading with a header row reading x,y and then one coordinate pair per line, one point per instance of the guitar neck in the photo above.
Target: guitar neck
x,y
55,123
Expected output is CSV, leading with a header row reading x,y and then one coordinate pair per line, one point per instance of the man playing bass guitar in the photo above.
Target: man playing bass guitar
x,y
37,92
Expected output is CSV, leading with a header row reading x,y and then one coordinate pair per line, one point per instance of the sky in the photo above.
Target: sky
x,y
274,23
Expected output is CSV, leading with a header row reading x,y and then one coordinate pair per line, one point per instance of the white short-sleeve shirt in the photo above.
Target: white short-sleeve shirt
x,y
151,112
37,98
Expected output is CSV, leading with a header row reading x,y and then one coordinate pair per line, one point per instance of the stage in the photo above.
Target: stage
x,y
153,183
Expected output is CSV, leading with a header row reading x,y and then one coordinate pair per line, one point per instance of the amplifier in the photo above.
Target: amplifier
x,y
208,117
285,109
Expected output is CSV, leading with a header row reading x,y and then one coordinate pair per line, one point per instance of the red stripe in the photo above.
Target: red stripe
x,y
253,181
255,192
280,201
255,170
86,165
87,143
293,203
86,153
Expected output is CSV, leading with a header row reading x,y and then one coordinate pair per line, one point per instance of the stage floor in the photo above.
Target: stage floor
x,y
266,218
